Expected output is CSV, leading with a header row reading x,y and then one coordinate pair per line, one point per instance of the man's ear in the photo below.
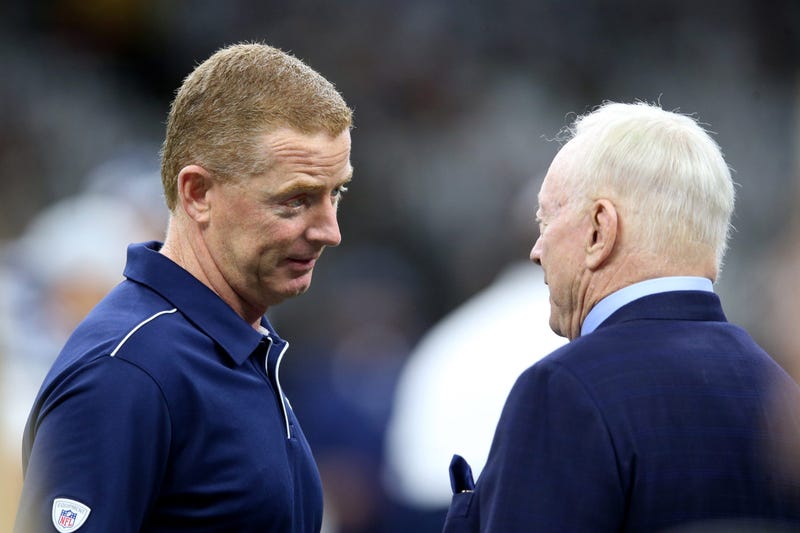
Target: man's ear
x,y
604,230
194,183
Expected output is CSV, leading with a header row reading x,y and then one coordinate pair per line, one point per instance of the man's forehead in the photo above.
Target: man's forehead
x,y
320,150
317,142
544,195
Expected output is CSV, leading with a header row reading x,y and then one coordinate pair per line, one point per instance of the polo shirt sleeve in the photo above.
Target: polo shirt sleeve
x,y
101,438
552,466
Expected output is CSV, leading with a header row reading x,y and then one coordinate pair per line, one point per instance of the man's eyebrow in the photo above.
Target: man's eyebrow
x,y
308,185
301,185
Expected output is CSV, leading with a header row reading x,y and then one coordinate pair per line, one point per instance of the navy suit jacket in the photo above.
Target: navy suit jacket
x,y
659,419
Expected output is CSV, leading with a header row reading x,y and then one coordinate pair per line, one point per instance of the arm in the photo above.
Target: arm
x,y
552,466
100,437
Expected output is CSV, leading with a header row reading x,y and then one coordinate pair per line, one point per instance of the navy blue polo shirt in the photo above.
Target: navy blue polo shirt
x,y
163,412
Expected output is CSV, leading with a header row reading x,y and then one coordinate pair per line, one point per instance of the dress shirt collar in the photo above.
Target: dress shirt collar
x,y
615,300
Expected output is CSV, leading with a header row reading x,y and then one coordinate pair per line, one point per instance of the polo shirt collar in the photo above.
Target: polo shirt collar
x,y
197,302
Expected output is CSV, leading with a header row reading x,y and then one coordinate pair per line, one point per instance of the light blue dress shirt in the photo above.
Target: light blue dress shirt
x,y
615,300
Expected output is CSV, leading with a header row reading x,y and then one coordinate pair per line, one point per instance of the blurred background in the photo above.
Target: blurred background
x,y
456,105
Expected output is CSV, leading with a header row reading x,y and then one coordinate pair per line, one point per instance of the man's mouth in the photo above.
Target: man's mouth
x,y
303,261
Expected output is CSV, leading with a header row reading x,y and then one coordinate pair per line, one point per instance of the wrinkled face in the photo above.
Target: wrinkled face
x,y
266,232
559,251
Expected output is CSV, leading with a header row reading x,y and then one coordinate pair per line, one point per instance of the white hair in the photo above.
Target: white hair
x,y
663,168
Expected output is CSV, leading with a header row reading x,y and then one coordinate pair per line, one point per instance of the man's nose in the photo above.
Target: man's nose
x,y
536,252
325,228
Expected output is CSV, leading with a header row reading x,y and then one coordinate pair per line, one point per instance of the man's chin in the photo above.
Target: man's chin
x,y
289,288
278,297
300,290
296,287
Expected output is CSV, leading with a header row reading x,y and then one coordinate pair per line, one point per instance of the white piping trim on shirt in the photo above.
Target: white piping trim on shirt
x,y
280,390
139,325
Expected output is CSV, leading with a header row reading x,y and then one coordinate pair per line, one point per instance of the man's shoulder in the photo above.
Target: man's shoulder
x,y
632,353
130,315
604,352
577,352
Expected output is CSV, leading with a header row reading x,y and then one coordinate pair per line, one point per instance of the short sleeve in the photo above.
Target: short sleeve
x,y
98,438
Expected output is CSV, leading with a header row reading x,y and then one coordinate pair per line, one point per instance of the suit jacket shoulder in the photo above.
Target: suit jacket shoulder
x,y
654,420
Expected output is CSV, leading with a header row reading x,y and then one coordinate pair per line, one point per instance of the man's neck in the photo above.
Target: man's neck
x,y
186,247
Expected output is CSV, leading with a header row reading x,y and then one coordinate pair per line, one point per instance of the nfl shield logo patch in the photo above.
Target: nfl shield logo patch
x,y
69,515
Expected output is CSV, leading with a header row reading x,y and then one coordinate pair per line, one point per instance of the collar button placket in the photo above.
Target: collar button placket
x,y
274,354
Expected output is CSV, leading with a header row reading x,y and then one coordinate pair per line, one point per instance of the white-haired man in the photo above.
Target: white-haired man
x,y
655,414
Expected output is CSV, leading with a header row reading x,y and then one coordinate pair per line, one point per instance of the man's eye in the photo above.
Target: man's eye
x,y
298,201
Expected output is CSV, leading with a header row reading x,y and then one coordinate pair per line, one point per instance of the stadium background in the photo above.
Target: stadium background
x,y
456,105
